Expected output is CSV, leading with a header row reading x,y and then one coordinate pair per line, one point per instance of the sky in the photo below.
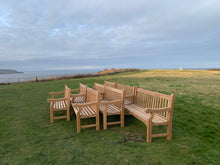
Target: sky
x,y
99,34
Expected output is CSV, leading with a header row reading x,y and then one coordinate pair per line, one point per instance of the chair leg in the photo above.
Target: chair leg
x,y
169,131
72,112
105,120
78,124
68,114
51,115
149,133
97,121
122,119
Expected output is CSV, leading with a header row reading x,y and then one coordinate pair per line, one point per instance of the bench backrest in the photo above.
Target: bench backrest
x,y
149,99
110,84
129,90
82,88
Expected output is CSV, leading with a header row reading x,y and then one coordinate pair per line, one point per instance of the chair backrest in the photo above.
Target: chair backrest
x,y
93,96
99,87
110,84
149,99
113,94
67,92
129,90
82,88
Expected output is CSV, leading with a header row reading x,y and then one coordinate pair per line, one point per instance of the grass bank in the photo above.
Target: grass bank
x,y
27,137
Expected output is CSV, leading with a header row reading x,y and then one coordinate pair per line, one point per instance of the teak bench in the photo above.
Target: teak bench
x,y
153,109
88,109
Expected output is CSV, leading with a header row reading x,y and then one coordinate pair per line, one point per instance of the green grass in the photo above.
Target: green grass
x,y
27,137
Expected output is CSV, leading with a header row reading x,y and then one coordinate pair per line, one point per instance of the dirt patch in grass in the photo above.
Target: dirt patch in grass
x,y
132,138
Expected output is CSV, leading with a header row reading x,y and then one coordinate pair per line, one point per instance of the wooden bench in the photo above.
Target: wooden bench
x,y
60,104
88,109
112,104
129,90
153,109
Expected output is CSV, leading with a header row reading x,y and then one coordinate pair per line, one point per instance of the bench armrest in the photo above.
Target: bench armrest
x,y
59,99
110,102
156,110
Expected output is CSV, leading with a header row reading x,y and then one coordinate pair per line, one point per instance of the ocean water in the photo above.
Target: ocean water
x,y
31,75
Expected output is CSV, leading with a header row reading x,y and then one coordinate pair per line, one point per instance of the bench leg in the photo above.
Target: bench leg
x,y
78,124
104,120
51,115
149,132
169,131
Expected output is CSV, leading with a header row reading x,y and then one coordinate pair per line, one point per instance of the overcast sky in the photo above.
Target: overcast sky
x,y
99,34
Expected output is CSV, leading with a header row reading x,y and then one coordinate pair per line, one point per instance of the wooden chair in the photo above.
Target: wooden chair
x,y
112,104
88,109
81,96
60,104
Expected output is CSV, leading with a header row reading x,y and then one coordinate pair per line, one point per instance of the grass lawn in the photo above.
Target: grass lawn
x,y
27,137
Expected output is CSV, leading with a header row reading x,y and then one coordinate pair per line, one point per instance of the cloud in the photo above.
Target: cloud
x,y
109,33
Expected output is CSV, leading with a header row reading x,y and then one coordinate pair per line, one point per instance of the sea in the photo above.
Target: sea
x,y
31,75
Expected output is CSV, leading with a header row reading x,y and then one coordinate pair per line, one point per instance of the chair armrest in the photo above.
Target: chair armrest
x,y
129,96
156,110
80,106
110,102
56,93
74,90
77,95
59,99
84,104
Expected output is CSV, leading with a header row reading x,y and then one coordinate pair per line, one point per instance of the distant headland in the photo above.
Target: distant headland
x,y
7,71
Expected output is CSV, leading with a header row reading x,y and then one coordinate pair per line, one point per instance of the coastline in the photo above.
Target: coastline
x,y
86,75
